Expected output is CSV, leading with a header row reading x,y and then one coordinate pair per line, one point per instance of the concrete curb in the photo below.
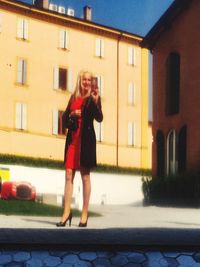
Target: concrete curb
x,y
113,237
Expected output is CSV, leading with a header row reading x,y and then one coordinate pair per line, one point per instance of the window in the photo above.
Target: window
x,y
63,79
22,71
131,56
172,83
160,153
64,39
99,48
131,134
182,149
172,153
99,131
100,81
21,116
57,123
22,29
131,93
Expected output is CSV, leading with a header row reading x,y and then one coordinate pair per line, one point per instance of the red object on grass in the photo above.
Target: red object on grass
x,y
18,190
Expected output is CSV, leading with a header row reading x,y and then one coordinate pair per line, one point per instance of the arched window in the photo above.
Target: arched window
x,y
172,153
182,149
160,150
172,83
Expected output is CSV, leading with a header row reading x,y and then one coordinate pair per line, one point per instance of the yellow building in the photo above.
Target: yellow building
x,y
41,53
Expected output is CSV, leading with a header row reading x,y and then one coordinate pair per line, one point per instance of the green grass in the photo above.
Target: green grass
x,y
57,164
31,208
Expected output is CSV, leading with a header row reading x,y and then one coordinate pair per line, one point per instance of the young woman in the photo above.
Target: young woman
x,y
80,149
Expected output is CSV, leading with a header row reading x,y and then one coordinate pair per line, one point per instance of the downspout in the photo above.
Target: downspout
x,y
117,134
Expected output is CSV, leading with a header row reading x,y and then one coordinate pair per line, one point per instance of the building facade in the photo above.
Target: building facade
x,y
42,51
174,42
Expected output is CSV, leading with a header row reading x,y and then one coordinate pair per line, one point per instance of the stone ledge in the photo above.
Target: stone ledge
x,y
90,238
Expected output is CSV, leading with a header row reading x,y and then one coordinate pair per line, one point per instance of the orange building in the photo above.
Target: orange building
x,y
174,42
43,47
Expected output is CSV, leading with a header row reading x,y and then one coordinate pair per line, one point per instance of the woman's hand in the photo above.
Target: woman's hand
x,y
76,113
95,95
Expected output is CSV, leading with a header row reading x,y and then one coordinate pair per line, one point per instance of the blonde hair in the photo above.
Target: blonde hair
x,y
77,91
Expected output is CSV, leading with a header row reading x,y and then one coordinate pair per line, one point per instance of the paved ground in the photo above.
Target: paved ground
x,y
116,216
122,236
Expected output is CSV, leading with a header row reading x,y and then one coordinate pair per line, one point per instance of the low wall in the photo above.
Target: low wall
x,y
107,189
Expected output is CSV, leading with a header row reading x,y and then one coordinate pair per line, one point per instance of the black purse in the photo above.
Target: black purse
x,y
72,123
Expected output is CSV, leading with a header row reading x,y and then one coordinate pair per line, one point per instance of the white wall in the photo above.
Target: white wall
x,y
106,188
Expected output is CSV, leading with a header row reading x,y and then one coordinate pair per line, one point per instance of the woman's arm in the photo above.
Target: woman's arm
x,y
97,110
66,114
96,100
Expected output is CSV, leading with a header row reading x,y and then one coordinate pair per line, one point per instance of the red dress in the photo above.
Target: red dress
x,y
73,151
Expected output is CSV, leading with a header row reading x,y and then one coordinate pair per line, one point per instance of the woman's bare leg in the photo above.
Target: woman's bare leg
x,y
85,175
69,179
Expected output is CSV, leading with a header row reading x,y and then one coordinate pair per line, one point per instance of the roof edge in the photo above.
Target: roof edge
x,y
76,20
164,22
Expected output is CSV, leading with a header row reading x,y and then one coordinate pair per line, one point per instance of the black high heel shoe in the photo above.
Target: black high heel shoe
x,y
83,224
62,224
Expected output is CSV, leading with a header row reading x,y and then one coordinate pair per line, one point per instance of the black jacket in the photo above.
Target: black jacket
x,y
90,112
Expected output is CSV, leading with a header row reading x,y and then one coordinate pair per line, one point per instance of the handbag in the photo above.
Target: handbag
x,y
72,123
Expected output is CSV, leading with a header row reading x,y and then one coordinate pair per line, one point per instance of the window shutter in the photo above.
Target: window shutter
x,y
20,71
24,73
18,116
55,122
100,81
102,132
134,56
99,131
24,116
131,133
98,47
61,129
25,29
131,56
102,48
20,28
62,39
66,40
70,80
56,78
131,98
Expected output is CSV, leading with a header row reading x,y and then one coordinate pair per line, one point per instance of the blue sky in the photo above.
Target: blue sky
x,y
135,16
